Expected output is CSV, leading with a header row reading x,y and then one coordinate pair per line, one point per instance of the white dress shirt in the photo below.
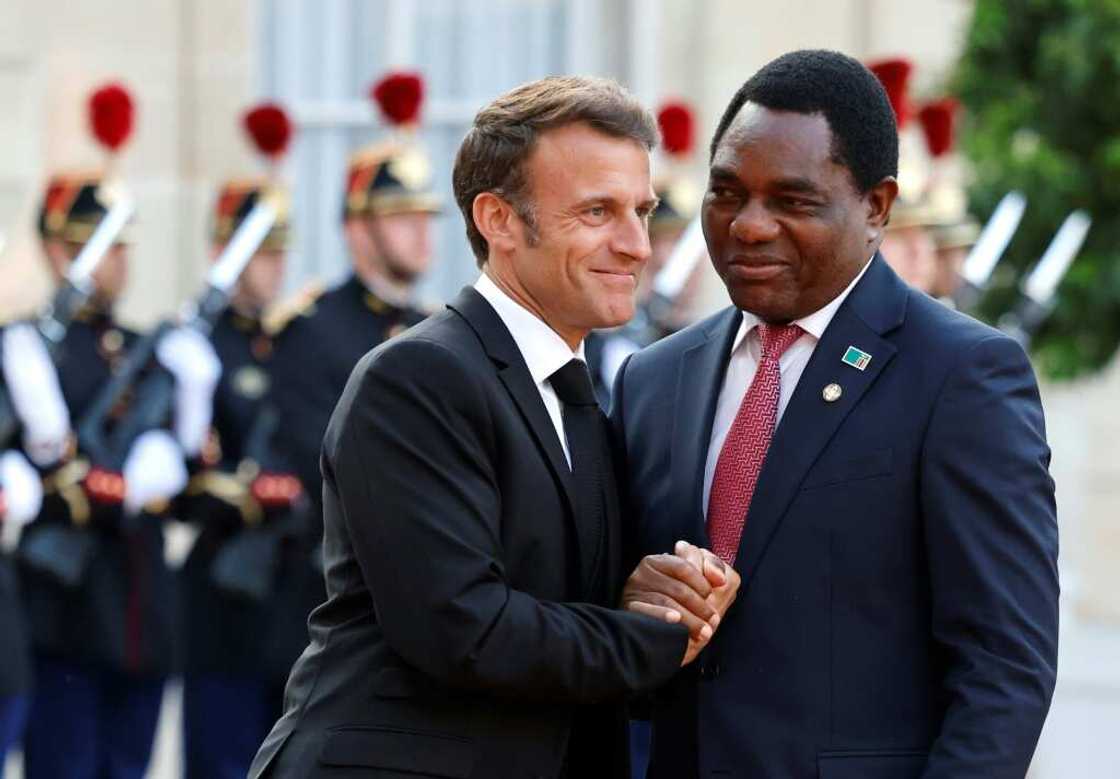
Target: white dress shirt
x,y
746,351
543,350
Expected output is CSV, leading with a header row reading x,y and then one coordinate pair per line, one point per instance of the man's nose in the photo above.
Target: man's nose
x,y
631,239
754,223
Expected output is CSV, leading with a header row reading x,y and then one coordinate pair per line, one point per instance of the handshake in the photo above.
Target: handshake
x,y
691,586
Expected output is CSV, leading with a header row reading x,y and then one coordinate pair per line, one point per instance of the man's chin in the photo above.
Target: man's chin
x,y
767,307
616,317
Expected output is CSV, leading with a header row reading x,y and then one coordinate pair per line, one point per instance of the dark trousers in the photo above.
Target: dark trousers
x,y
13,716
640,732
89,723
225,719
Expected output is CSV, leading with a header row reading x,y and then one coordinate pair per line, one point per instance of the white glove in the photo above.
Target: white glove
x,y
32,384
23,489
195,365
153,470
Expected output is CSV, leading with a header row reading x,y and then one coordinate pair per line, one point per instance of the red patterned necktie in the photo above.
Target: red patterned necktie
x,y
744,449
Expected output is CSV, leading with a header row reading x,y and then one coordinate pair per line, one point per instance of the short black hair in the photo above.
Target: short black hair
x,y
853,102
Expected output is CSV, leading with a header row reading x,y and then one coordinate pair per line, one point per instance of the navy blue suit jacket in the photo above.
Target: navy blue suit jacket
x,y
898,615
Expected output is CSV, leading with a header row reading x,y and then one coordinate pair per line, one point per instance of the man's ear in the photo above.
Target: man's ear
x,y
879,200
495,219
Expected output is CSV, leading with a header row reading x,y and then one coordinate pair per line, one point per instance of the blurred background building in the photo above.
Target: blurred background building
x,y
195,65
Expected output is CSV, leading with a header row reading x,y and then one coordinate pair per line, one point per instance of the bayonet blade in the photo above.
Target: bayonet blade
x,y
98,244
244,244
993,240
1042,282
687,252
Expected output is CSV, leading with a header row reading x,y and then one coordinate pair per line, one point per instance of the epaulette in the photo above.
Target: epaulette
x,y
302,303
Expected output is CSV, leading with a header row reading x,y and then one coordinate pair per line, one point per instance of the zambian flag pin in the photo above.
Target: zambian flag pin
x,y
857,358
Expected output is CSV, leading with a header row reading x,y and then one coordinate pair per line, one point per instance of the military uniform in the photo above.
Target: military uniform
x,y
324,335
98,594
246,508
316,353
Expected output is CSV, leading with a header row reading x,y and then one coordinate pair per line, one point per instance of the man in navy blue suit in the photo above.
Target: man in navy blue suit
x,y
874,464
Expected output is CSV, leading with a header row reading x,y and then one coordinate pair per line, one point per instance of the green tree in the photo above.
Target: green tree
x,y
1040,80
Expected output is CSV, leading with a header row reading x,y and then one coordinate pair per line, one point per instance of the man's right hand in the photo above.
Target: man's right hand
x,y
693,587
722,595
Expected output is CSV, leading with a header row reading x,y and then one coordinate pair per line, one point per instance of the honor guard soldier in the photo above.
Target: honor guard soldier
x,y
98,593
386,223
241,500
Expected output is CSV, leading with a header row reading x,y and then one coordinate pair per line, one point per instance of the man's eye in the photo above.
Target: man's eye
x,y
796,202
720,191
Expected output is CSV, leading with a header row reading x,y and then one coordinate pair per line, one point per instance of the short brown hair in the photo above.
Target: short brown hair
x,y
492,156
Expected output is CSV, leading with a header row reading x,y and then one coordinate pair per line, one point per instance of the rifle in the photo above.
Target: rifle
x,y
989,247
1039,288
155,386
75,291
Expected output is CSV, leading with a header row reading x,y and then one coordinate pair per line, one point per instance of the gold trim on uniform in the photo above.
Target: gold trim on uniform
x,y
301,303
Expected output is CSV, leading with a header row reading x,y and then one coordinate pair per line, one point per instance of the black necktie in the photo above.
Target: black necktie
x,y
589,451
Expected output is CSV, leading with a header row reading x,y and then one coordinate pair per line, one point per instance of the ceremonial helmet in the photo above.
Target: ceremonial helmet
x,y
75,201
392,176
270,131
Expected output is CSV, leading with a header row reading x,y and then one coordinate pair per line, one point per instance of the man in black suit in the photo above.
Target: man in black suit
x,y
874,464
472,534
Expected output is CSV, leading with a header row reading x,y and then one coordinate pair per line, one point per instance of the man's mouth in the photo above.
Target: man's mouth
x,y
616,277
755,268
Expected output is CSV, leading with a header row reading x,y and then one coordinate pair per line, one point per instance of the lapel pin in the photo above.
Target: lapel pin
x,y
832,392
857,358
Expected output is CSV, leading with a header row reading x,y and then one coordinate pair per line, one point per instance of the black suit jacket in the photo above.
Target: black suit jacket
x,y
898,612
456,640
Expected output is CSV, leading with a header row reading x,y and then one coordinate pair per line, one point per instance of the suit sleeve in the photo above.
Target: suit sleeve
x,y
992,544
414,466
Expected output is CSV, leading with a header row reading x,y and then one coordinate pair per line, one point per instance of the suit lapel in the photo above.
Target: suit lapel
x,y
702,368
876,305
514,374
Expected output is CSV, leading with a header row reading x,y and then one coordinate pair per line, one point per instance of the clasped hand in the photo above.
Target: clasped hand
x,y
691,586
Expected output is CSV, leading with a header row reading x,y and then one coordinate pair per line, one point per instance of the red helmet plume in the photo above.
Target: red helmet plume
x,y
111,115
399,96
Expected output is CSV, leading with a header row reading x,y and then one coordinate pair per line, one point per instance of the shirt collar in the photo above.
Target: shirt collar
x,y
814,324
543,350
